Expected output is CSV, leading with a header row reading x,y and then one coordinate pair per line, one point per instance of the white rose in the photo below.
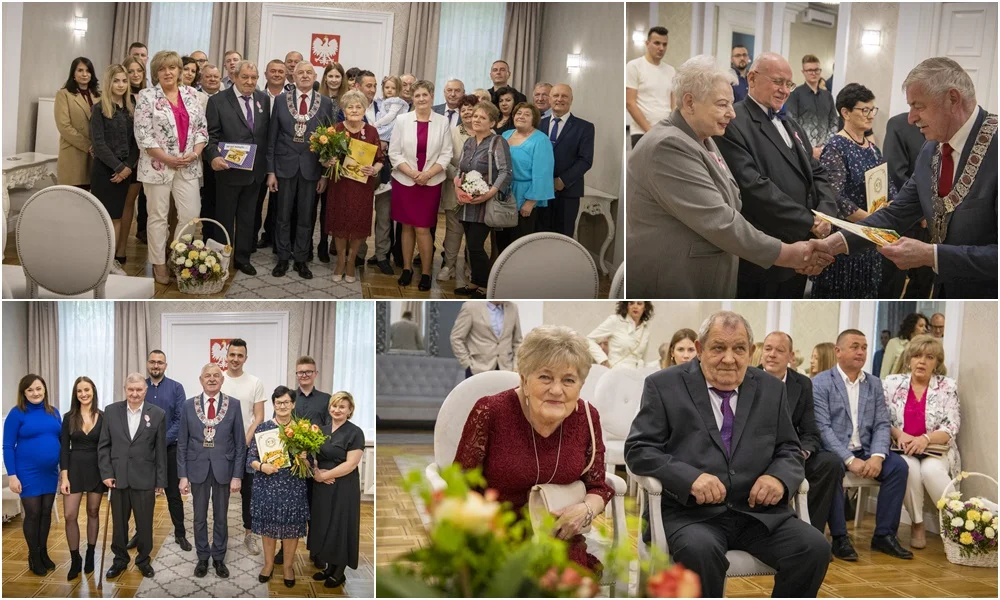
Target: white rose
x,y
202,269
188,263
957,522
210,261
977,502
179,261
990,533
186,238
970,524
203,254
199,244
955,506
179,247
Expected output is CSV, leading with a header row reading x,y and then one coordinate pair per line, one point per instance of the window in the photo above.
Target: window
x,y
180,26
354,360
86,347
470,39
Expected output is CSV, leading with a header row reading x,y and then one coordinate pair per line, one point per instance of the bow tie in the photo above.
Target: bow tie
x,y
781,114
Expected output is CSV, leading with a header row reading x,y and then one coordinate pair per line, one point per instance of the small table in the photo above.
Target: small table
x,y
595,202
26,169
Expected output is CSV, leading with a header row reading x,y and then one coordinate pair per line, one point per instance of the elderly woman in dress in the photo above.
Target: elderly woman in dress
x,y
627,335
923,410
680,350
449,200
542,423
685,205
171,131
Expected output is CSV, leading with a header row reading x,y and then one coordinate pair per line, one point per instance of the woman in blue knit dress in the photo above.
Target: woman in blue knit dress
x,y
31,457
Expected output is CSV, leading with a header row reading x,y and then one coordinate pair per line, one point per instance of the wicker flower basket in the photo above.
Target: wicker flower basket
x,y
204,288
952,549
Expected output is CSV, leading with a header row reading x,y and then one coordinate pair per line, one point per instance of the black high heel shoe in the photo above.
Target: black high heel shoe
x,y
265,578
425,283
405,279
289,583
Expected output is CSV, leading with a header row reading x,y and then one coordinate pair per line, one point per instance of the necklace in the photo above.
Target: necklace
x,y
851,137
534,445
280,423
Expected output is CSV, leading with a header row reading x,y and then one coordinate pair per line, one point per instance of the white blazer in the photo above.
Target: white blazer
x,y
627,343
403,146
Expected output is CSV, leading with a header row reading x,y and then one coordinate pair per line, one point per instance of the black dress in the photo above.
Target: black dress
x,y
114,149
335,530
79,457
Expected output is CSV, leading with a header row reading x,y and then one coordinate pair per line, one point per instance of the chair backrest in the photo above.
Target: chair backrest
x,y
457,406
589,390
618,284
65,241
617,399
544,266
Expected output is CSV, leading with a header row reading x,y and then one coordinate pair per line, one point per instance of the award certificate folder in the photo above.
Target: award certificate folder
x,y
238,156
271,448
877,187
879,237
362,155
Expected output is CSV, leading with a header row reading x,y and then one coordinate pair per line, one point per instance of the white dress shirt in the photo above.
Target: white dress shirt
x,y
496,317
776,121
134,419
853,393
562,125
267,90
716,401
298,99
455,118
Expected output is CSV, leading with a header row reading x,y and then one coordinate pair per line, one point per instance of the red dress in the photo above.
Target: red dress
x,y
350,203
497,438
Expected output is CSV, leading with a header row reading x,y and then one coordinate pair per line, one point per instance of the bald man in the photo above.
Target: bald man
x,y
573,145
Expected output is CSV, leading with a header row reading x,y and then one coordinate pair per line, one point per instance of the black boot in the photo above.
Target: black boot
x,y
324,574
35,563
75,565
43,554
88,565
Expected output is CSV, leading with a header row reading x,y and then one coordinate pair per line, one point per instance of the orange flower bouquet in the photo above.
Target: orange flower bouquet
x,y
302,437
330,144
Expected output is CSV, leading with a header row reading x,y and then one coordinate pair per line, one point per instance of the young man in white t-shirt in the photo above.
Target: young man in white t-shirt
x,y
649,84
250,392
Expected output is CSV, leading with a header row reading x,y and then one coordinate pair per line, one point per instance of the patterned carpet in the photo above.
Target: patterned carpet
x,y
263,285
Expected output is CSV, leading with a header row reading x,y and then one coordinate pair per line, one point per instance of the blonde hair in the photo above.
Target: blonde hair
x,y
164,58
107,104
550,346
489,109
337,397
481,94
922,344
396,81
128,63
825,358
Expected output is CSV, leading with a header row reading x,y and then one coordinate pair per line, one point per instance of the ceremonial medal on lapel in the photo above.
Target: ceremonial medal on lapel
x,y
147,420
260,110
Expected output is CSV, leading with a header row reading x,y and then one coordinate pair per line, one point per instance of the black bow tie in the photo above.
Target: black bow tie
x,y
781,114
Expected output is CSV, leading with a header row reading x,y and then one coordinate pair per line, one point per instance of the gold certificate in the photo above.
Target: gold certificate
x,y
271,449
877,187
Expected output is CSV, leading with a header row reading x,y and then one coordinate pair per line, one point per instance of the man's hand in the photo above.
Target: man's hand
x,y
272,183
766,491
234,485
184,486
707,489
908,253
158,491
808,258
872,468
857,467
559,185
820,228
817,150
110,482
219,164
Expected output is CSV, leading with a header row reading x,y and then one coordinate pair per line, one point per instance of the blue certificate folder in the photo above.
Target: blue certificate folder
x,y
239,156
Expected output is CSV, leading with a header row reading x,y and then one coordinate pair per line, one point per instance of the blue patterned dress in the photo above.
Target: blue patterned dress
x,y
856,275
278,507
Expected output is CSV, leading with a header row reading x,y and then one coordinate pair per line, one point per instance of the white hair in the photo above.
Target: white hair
x,y
209,366
938,75
728,319
244,64
698,76
135,378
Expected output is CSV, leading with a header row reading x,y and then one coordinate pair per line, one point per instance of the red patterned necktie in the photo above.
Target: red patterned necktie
x,y
303,109
947,171
211,408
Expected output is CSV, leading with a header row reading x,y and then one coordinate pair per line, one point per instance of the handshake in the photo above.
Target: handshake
x,y
812,256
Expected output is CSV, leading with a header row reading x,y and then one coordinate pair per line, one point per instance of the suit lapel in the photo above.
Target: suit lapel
x,y
82,102
767,128
698,389
235,103
793,390
564,126
838,384
124,418
744,404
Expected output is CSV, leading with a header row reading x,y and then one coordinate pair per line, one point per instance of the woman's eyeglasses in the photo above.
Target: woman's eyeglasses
x,y
868,112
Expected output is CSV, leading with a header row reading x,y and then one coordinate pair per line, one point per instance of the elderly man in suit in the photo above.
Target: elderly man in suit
x,y
239,115
132,458
719,436
953,187
780,182
685,231
853,422
573,145
211,458
454,90
293,172
486,336
824,470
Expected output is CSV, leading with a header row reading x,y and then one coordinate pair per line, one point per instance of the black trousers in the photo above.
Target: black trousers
x,y
792,289
209,209
140,503
525,225
235,209
217,493
825,473
246,493
799,553
142,215
296,194
560,216
479,261
259,220
175,504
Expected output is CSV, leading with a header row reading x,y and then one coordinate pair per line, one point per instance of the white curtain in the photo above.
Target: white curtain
x,y
87,347
354,360
182,27
469,40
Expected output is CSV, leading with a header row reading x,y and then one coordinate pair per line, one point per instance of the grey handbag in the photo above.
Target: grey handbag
x,y
501,213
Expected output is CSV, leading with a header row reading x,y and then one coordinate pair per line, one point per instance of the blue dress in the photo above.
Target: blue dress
x,y
31,448
534,164
278,507
856,275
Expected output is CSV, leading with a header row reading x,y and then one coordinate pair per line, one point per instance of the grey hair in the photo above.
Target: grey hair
x,y
548,346
246,63
135,377
458,81
353,96
209,366
728,319
938,75
698,75
542,84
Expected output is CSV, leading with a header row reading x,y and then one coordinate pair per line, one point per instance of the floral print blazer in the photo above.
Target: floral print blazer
x,y
155,128
942,409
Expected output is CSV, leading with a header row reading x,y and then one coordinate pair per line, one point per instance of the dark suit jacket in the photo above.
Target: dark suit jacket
x,y
285,157
800,406
779,186
227,122
574,153
674,438
967,260
140,463
901,147
228,457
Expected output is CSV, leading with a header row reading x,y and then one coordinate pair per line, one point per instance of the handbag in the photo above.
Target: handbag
x,y
545,498
500,213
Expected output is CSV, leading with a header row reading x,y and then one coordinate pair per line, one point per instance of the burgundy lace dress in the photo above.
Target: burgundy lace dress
x,y
497,438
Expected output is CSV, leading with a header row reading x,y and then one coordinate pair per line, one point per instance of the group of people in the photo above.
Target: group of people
x,y
722,487
155,140
158,441
729,165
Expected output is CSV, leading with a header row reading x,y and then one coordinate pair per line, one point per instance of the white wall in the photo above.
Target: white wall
x,y
15,350
977,392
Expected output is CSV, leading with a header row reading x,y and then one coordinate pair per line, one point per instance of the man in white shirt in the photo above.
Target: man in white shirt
x,y
649,85
407,79
853,422
250,392
454,90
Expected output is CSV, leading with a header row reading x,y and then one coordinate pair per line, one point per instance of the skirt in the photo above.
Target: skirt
x,y
415,205
111,195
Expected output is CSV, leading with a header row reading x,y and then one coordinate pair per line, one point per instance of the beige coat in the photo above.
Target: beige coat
x,y
474,343
72,115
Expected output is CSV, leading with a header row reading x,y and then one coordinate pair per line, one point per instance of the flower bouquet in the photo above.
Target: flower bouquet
x,y
473,184
969,528
199,269
330,144
301,436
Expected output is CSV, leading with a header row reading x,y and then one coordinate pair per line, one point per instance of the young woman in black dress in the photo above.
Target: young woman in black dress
x,y
335,525
81,430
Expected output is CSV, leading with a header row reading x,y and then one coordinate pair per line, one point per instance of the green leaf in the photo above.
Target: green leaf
x,y
395,584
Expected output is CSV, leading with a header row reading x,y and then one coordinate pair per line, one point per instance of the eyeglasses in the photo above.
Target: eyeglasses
x,y
155,363
788,83
284,403
868,112
304,373
812,71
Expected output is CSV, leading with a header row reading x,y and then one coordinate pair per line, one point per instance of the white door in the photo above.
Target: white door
x,y
968,35
734,18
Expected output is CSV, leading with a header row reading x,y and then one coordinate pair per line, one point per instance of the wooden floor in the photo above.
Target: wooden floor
x,y
19,582
929,574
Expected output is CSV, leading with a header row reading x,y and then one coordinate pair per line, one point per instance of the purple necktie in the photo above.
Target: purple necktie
x,y
727,417
246,100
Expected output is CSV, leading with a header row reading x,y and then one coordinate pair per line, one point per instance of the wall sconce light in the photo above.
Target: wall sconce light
x,y
574,62
80,26
871,39
638,37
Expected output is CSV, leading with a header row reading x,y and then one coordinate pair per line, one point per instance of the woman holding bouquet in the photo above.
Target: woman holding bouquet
x,y
449,201
278,507
351,202
333,85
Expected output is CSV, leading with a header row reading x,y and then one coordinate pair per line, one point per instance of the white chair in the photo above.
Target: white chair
x,y
617,399
864,487
589,390
618,284
544,266
448,431
65,243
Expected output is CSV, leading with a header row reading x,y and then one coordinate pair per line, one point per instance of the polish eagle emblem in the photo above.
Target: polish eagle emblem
x,y
218,353
325,49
